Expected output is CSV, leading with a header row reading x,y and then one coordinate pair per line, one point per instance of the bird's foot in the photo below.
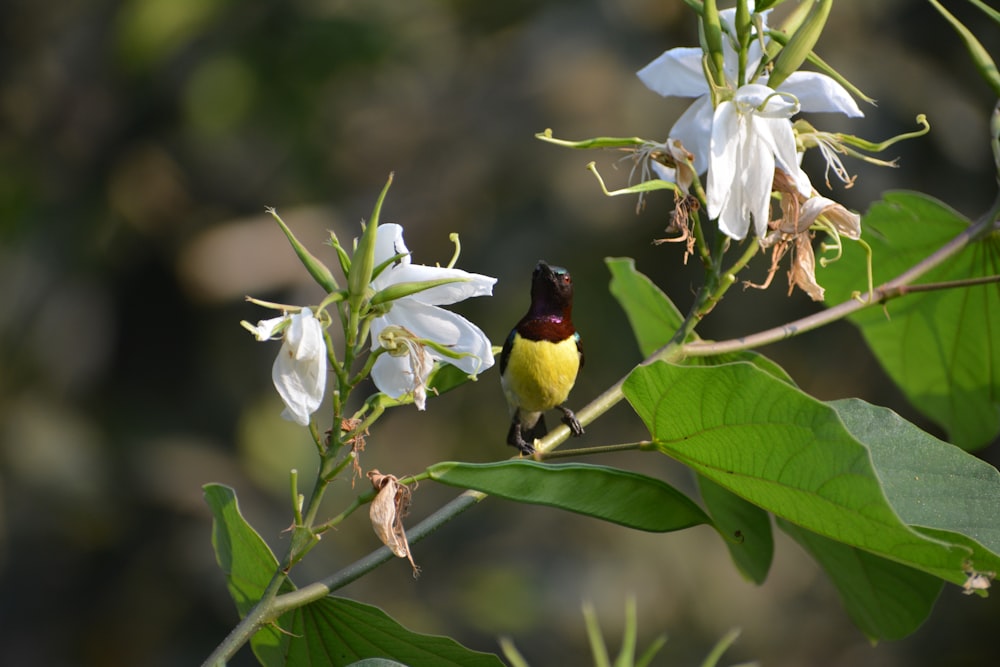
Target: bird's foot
x,y
525,447
575,428
516,439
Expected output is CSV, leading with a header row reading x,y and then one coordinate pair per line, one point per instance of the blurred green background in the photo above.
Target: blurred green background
x,y
139,144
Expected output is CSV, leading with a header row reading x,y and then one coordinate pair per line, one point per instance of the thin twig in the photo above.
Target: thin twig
x,y
897,287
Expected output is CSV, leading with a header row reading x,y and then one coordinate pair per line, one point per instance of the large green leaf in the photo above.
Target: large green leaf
x,y
933,486
336,632
244,557
886,600
745,527
941,347
784,451
622,497
246,560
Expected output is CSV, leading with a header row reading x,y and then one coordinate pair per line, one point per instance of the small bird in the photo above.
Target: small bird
x,y
540,359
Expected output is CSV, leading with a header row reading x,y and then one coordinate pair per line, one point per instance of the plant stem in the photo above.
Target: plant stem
x,y
897,287
588,451
256,618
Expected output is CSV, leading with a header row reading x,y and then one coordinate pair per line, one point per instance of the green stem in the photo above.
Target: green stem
x,y
727,279
255,619
363,499
296,503
699,235
589,451
897,287
366,370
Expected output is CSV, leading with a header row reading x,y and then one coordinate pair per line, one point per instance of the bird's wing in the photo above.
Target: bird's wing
x,y
505,352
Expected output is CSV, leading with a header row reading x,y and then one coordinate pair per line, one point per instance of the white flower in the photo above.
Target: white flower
x,y
406,366
299,371
679,73
751,135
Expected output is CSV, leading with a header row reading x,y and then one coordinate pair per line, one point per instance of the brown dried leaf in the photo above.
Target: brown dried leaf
x,y
387,510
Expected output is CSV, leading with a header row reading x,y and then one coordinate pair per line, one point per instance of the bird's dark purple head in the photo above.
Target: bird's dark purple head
x,y
551,292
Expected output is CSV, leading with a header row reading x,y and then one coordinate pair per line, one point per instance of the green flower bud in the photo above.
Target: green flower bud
x,y
320,273
363,262
711,33
801,43
980,56
400,290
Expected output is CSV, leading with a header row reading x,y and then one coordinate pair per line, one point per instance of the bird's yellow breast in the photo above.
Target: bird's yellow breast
x,y
540,374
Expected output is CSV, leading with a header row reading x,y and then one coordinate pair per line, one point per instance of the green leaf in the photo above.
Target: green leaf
x,y
247,562
244,557
618,496
885,600
745,527
933,486
595,142
654,318
721,646
941,347
338,632
784,451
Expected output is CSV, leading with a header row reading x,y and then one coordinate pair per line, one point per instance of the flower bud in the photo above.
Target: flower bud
x,y
801,43
363,263
400,290
320,273
711,32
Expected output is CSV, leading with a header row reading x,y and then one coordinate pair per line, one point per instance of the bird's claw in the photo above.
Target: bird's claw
x,y
575,428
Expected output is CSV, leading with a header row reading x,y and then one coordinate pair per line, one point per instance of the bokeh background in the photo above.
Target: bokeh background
x,y
139,144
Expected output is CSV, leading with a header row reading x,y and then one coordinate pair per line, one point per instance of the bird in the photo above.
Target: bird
x,y
540,359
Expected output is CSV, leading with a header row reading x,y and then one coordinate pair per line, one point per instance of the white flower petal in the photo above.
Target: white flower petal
x,y
722,169
778,135
694,129
445,328
758,177
395,377
676,73
820,93
305,335
266,329
299,371
472,284
389,243
763,102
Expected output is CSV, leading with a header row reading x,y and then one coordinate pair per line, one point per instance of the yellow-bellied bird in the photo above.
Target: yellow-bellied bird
x,y
540,359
